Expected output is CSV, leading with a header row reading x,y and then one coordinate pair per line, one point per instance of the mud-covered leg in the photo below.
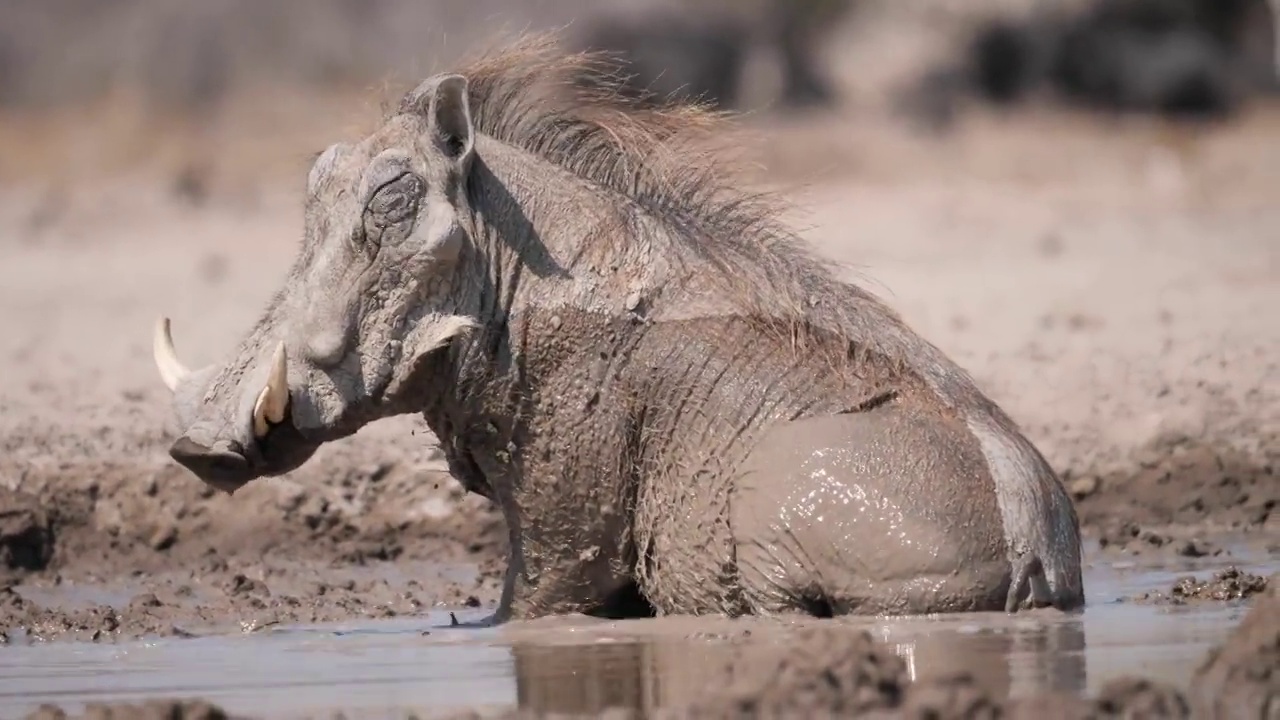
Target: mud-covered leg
x,y
565,494
557,573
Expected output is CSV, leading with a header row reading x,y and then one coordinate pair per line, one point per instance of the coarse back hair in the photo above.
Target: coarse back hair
x,y
675,161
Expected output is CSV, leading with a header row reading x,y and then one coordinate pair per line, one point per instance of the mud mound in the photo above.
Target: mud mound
x,y
216,598
92,623
274,553
1139,697
1179,483
1241,678
154,710
195,562
1225,585
955,697
819,671
117,514
1133,539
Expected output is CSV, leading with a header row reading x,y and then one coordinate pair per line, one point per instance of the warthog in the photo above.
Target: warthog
x,y
667,396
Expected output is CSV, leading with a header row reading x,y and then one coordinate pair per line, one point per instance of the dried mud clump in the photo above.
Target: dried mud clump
x,y
820,671
1225,586
1241,678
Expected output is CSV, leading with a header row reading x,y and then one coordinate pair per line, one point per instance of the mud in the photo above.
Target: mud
x,y
154,710
1224,586
818,671
574,666
171,566
763,669
26,535
1180,488
1114,293
1242,677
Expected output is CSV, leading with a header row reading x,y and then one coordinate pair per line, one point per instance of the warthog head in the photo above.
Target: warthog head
x,y
369,296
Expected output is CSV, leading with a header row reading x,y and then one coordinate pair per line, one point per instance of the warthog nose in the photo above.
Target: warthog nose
x,y
224,468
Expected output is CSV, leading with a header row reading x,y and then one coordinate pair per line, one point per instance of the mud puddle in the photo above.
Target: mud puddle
x,y
383,668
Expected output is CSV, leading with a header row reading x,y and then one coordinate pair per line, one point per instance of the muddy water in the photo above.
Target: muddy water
x,y
381,668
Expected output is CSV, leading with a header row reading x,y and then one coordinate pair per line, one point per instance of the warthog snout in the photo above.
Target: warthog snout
x,y
245,432
380,287
224,467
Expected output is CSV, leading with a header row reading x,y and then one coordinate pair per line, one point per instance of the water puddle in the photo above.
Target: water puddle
x,y
380,668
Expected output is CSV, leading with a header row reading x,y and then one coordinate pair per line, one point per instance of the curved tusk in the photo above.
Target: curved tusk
x,y
172,371
273,401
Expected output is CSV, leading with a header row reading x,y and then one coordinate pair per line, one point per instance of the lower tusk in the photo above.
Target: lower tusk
x,y
172,371
273,400
260,426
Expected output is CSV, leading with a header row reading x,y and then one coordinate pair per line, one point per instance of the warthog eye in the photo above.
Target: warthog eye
x,y
392,209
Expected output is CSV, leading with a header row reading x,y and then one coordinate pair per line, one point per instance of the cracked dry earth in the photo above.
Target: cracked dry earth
x,y
1123,314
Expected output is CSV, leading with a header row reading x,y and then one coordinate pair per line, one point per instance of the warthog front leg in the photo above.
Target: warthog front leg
x,y
564,493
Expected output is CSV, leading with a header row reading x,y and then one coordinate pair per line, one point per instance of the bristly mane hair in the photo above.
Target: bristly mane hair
x,y
673,160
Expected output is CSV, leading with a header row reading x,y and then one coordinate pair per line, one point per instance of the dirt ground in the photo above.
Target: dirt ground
x,y
1115,292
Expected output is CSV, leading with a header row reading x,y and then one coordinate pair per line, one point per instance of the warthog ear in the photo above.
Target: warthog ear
x,y
444,101
450,117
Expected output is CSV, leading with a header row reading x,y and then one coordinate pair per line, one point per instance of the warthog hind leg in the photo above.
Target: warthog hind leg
x,y
1029,587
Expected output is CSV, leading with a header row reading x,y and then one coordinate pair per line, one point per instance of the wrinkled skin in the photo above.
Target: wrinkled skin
x,y
375,248
653,439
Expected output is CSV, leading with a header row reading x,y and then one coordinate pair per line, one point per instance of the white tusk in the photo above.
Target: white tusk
x,y
172,371
259,414
274,398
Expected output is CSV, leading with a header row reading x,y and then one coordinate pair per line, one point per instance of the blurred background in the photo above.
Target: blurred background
x,y
225,91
